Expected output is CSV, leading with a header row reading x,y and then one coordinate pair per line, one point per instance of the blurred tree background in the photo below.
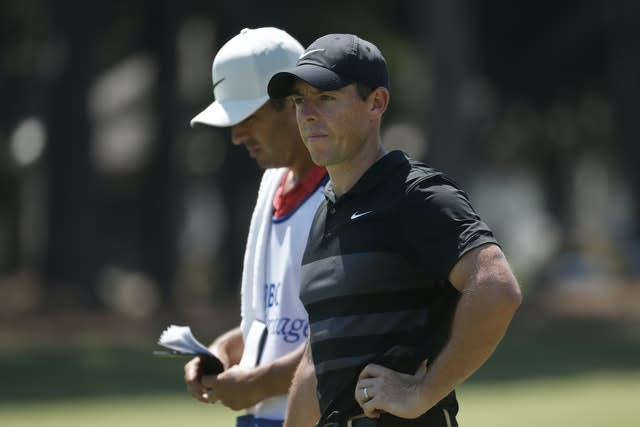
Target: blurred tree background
x,y
110,202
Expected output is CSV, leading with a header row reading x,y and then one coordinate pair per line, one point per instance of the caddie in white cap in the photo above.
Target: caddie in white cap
x,y
262,353
241,71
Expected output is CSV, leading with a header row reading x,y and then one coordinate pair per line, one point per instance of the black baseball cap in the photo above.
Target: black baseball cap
x,y
332,62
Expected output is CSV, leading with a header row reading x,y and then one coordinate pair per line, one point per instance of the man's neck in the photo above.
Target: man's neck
x,y
297,172
345,175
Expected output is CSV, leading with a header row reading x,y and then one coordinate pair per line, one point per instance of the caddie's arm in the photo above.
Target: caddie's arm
x,y
241,387
228,347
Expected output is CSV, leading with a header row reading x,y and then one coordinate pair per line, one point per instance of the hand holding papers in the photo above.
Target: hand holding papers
x,y
181,342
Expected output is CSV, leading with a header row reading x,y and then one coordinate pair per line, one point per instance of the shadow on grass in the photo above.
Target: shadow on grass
x,y
564,349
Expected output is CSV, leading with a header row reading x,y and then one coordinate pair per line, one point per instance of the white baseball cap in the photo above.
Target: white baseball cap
x,y
241,71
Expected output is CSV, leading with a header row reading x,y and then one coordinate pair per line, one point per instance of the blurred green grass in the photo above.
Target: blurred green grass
x,y
572,374
156,410
587,400
584,401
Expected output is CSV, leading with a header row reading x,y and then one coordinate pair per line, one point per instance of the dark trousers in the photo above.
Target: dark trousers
x,y
435,417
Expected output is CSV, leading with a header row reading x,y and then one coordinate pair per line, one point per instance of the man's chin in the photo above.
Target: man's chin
x,y
265,164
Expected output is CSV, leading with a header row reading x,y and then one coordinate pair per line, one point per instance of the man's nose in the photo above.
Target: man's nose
x,y
239,134
306,111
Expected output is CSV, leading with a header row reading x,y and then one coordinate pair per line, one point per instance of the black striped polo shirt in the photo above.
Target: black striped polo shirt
x,y
374,274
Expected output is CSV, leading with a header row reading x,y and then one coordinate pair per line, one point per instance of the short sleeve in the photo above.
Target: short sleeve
x,y
439,226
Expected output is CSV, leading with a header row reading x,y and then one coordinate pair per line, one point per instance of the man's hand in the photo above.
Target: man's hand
x,y
235,388
390,391
194,385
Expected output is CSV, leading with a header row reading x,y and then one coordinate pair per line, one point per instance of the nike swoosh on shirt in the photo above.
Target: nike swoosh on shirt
x,y
309,52
357,214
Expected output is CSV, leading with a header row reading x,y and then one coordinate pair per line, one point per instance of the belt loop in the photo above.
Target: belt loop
x,y
327,421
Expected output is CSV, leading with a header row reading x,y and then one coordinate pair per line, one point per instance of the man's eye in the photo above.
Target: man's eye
x,y
297,100
326,97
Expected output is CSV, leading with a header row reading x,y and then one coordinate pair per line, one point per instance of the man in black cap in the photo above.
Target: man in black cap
x,y
407,290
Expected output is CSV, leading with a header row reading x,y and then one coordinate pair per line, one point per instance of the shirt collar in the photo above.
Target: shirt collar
x,y
374,176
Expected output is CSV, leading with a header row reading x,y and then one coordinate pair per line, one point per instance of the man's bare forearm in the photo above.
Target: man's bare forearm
x,y
490,298
229,347
276,377
303,409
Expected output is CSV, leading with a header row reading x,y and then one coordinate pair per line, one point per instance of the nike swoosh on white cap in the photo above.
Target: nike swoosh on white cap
x,y
218,82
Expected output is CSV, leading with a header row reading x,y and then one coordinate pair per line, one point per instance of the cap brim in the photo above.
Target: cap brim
x,y
281,84
228,113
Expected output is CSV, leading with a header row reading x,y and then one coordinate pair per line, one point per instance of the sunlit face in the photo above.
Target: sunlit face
x,y
334,124
269,135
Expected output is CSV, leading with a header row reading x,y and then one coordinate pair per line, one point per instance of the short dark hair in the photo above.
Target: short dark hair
x,y
278,104
363,90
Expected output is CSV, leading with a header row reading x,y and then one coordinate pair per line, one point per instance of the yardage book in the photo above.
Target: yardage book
x,y
181,342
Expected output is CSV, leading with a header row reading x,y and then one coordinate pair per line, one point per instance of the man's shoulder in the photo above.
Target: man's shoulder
x,y
415,175
426,188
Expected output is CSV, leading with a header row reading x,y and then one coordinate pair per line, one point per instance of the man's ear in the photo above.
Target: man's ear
x,y
378,101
